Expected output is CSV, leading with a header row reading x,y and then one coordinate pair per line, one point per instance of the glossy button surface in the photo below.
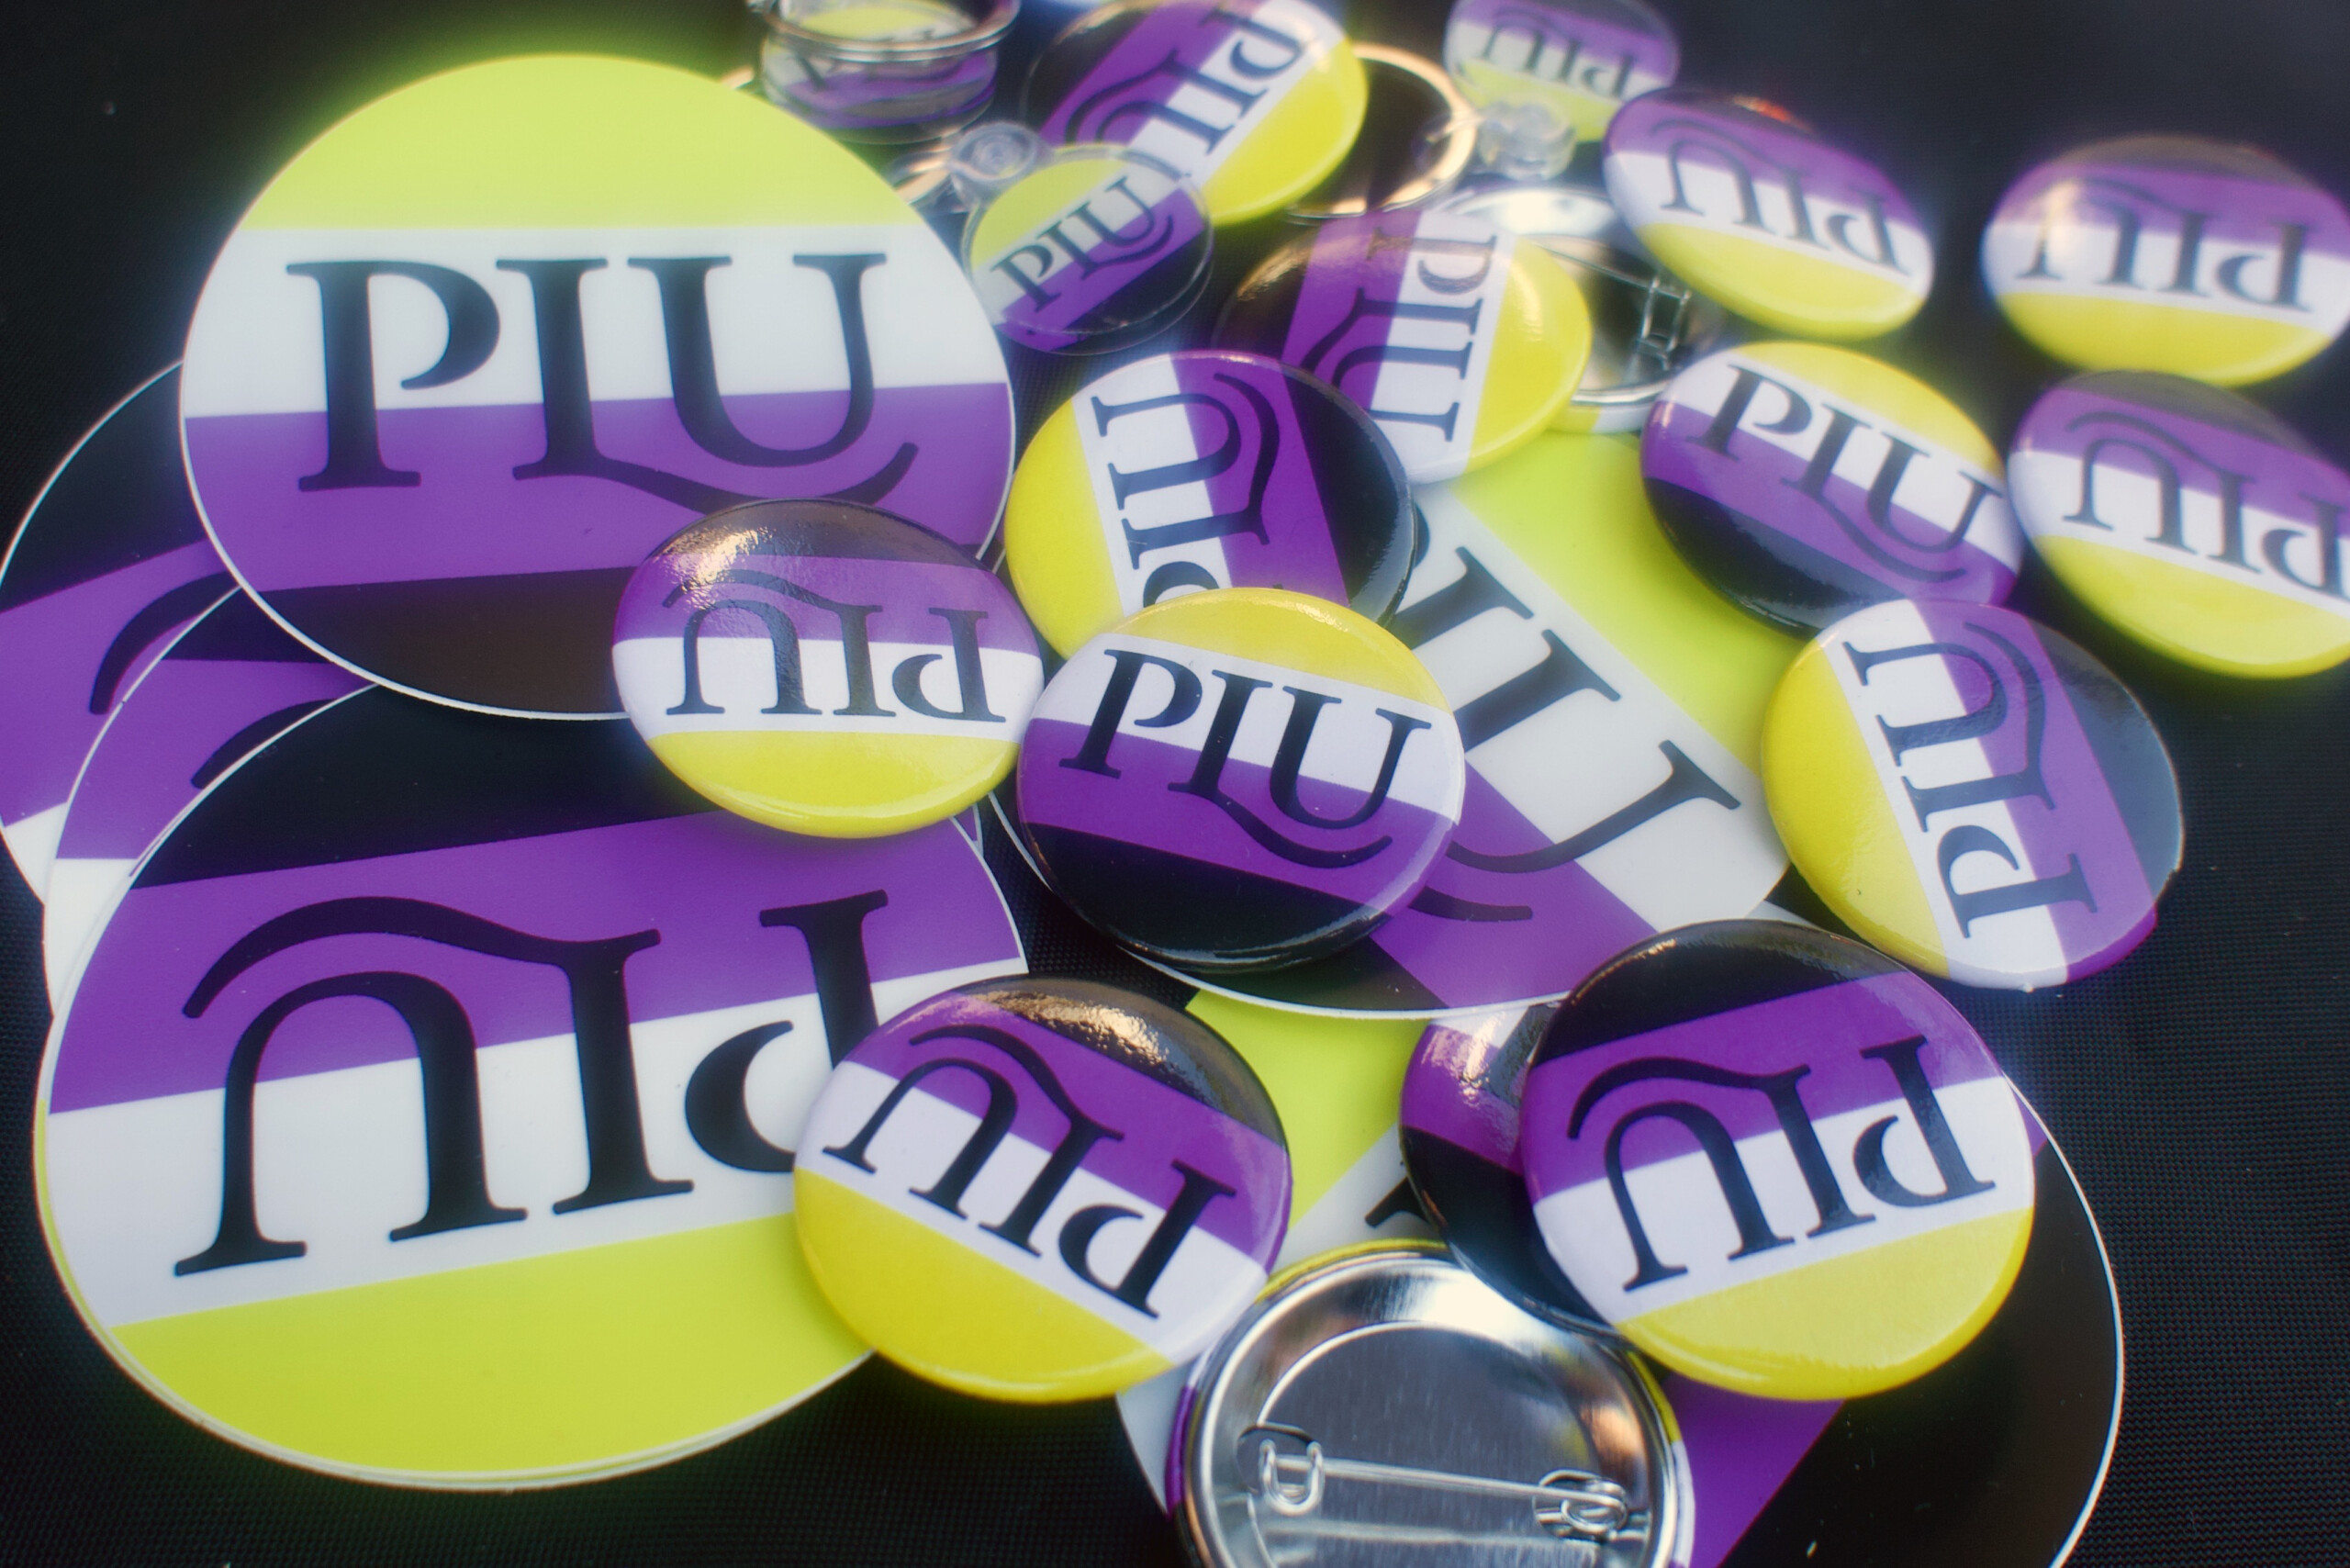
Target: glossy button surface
x,y
1203,470
1460,340
1253,104
1778,1162
1582,59
2192,519
1971,792
2173,254
1804,481
1239,778
824,668
1766,218
1042,1189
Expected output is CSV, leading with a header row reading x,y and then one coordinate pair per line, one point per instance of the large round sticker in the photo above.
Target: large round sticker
x,y
108,564
1806,481
486,342
1752,208
1203,470
426,1111
2192,519
1583,58
1971,792
2172,253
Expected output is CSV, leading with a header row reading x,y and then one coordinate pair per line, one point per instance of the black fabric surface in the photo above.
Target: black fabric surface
x,y
2201,1087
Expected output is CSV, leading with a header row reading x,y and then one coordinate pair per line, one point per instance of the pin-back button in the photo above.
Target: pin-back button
x,y
825,667
1240,778
901,71
1461,341
1203,469
1253,106
2192,519
2173,254
1754,209
1804,481
1581,59
1778,1162
1042,1189
1384,1405
1971,792
1418,135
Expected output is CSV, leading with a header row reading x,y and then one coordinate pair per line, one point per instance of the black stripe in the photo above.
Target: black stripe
x,y
1758,568
1360,976
1362,490
1065,61
140,633
1485,1215
230,752
1257,316
2130,753
121,500
2186,399
237,630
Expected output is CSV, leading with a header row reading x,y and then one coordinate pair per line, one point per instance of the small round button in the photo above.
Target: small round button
x,y
1581,59
1804,481
1240,778
1971,792
1253,106
1203,470
1460,340
2174,253
1041,1189
2194,520
825,667
1754,209
1776,1161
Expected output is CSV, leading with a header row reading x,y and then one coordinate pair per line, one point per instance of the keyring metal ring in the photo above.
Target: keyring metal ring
x,y
1457,124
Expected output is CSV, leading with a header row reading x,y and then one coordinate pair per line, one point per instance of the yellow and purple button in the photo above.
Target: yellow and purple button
x,y
1042,1189
2191,517
1584,60
2174,253
1971,792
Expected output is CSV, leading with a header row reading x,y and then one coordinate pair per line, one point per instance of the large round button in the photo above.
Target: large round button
x,y
1203,470
1971,792
1042,1189
1462,340
1778,1162
2194,520
1806,481
824,668
1754,209
1240,778
2174,253
1581,59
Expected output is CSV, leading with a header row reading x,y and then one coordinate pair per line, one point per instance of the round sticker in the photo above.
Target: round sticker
x,y
2172,253
1239,778
110,561
1559,624
1253,104
824,668
426,1111
1776,1161
1971,792
1806,481
1089,251
486,342
1755,210
1203,470
2192,519
1581,59
1042,1189
1459,341
227,684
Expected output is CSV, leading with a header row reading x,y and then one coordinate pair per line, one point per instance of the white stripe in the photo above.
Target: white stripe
x,y
1641,183
1689,1222
2081,255
32,844
1466,41
1426,451
999,292
1136,443
1181,149
738,676
81,895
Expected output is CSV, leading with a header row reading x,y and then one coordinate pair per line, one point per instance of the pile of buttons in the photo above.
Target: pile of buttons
x,y
549,741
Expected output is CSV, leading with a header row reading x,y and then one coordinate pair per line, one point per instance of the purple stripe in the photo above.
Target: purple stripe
x,y
700,881
50,651
2068,420
1141,807
908,592
1742,1450
469,517
1660,122
850,97
1185,33
1109,267
1156,1125
1346,265
1824,1030
1576,47
1448,1093
1296,552
2235,211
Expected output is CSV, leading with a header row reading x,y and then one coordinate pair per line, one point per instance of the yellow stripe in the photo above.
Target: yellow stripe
x,y
2195,616
1293,631
1848,1326
1878,389
1300,139
2121,334
1053,539
944,1312
533,1369
836,786
1836,819
1035,200
1543,342
572,143
1784,291
1573,509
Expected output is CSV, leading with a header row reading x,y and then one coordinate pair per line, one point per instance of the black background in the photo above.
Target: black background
x,y
2200,1088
